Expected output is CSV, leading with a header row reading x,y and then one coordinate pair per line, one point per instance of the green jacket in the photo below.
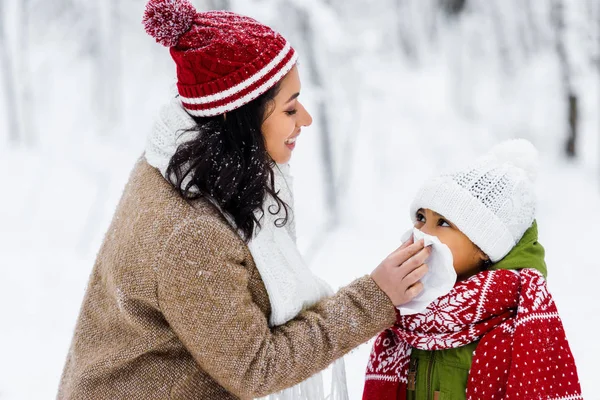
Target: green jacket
x,y
447,371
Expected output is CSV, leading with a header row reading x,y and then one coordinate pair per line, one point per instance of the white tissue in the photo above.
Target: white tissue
x,y
440,278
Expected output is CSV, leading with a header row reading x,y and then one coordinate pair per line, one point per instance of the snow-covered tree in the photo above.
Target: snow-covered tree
x,y
8,83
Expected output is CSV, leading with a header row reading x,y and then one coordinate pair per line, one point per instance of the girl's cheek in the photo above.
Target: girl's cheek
x,y
447,240
457,255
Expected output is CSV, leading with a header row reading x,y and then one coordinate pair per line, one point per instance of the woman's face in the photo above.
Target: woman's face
x,y
285,119
467,257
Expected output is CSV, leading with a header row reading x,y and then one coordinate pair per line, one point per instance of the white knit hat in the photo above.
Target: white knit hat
x,y
491,201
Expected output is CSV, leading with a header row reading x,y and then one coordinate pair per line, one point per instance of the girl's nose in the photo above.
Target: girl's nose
x,y
426,229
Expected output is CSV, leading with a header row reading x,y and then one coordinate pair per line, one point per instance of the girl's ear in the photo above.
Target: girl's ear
x,y
486,263
480,255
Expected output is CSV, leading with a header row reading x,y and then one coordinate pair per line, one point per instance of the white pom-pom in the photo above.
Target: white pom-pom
x,y
519,153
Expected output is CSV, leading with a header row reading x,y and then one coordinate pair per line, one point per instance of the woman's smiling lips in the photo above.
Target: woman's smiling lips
x,y
291,142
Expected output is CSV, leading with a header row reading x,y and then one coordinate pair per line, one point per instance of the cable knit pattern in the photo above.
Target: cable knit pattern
x,y
491,200
171,128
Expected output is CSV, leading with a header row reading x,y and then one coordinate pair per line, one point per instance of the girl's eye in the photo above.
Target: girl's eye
x,y
291,112
443,223
420,217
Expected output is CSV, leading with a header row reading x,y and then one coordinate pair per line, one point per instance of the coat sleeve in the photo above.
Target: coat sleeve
x,y
203,292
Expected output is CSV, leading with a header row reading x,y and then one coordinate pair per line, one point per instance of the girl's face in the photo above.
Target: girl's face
x,y
467,257
286,119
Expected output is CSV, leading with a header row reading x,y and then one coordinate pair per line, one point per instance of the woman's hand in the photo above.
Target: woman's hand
x,y
400,273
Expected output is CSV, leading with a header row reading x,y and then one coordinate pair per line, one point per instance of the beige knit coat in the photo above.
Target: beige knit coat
x,y
176,309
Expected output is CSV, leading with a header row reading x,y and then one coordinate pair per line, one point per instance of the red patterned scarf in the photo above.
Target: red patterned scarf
x,y
523,352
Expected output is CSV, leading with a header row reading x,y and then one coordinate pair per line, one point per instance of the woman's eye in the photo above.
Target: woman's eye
x,y
444,223
420,217
291,112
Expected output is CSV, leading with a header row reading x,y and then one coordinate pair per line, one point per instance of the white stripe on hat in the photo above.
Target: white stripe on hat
x,y
210,112
242,85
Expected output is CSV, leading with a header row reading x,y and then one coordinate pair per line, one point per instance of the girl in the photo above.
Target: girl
x,y
497,333
198,291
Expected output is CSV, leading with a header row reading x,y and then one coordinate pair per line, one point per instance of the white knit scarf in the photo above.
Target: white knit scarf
x,y
290,284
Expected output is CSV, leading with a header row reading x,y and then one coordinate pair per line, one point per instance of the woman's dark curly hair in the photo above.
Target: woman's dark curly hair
x,y
228,163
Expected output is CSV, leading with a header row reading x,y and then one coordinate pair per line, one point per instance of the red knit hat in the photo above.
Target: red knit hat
x,y
224,60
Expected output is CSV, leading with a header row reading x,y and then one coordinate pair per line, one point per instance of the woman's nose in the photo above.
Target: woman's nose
x,y
305,117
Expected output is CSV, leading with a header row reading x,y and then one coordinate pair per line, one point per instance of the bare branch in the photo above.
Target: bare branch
x,y
570,96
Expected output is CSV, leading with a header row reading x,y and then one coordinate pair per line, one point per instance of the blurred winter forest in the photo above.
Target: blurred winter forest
x,y
398,89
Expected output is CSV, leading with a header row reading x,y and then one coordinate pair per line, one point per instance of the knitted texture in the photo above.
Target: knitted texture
x,y
172,127
224,60
523,352
175,308
291,285
492,201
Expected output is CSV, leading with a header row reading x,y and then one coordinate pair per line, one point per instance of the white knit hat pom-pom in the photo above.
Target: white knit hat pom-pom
x,y
519,153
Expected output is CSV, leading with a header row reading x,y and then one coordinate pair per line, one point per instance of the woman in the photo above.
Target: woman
x,y
198,291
